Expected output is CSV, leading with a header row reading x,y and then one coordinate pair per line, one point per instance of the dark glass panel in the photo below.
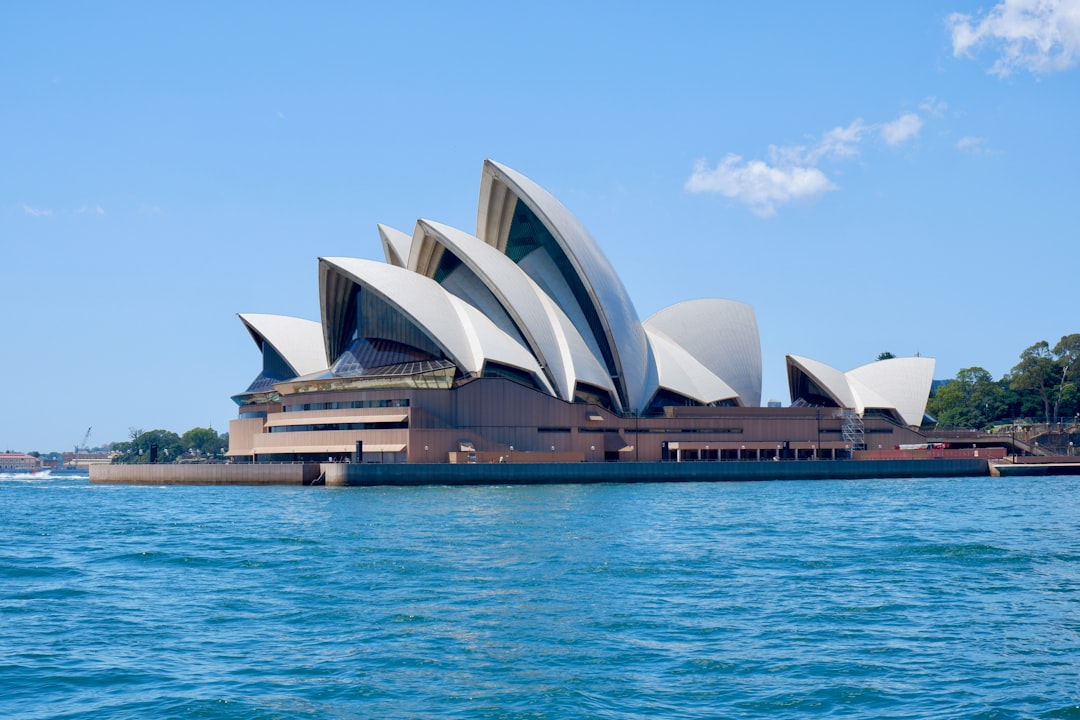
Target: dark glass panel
x,y
364,354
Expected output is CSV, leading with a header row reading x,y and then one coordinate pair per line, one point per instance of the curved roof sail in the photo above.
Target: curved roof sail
x,y
904,381
529,225
810,377
395,245
720,334
493,278
681,373
297,341
899,385
376,300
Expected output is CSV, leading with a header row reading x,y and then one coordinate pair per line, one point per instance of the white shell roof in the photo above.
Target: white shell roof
x,y
623,333
905,383
825,376
553,339
561,314
680,372
395,245
720,334
299,342
578,358
493,344
898,384
465,335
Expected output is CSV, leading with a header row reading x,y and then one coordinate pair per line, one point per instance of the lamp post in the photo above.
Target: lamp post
x,y
425,454
818,416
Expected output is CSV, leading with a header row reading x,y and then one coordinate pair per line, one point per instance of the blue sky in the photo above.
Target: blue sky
x,y
869,176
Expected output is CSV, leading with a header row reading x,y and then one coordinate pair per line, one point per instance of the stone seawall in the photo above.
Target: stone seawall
x,y
369,474
547,473
170,474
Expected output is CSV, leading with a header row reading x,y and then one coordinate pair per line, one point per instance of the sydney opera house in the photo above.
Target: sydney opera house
x,y
519,343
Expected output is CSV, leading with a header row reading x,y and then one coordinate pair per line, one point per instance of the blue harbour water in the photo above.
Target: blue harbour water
x,y
942,598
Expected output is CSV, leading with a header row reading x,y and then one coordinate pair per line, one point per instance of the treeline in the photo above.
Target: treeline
x,y
196,445
1039,388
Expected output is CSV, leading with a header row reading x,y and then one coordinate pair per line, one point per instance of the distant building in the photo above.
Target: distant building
x,y
84,459
19,463
519,343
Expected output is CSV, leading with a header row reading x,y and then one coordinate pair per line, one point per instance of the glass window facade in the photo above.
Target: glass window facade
x,y
394,425
348,405
364,354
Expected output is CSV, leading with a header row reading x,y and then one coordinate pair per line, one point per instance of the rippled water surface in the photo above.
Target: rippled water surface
x,y
888,598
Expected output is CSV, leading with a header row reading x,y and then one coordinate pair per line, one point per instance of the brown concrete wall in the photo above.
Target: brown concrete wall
x,y
268,443
242,434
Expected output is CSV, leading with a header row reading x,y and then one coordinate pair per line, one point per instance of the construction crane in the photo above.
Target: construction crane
x,y
85,439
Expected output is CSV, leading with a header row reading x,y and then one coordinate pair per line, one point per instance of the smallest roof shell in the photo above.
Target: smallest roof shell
x,y
898,384
299,342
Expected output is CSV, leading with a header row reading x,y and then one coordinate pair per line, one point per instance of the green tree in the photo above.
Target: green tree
x,y
1034,374
1011,400
138,449
971,400
204,442
1067,357
885,355
1046,376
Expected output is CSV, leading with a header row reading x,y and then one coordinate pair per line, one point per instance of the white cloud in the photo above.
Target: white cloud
x,y
1040,36
902,129
758,185
971,144
841,142
36,212
792,171
95,210
933,106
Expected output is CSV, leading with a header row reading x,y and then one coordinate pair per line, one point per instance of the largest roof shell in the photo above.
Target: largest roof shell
x,y
620,336
549,334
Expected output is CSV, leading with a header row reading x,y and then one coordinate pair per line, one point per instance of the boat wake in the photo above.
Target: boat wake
x,y
38,476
